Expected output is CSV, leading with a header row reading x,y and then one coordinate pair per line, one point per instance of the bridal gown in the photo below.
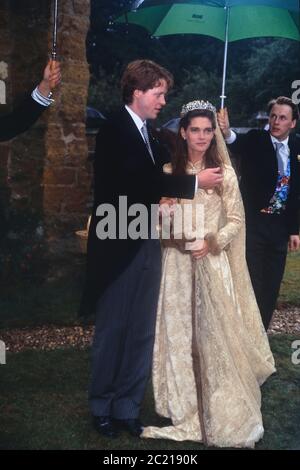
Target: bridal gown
x,y
211,351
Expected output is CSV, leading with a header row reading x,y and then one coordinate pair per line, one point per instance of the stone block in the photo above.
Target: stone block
x,y
59,176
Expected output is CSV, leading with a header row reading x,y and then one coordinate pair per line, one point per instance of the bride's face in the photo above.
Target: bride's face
x,y
198,134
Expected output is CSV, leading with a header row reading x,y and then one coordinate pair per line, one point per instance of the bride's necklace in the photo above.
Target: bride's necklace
x,y
196,165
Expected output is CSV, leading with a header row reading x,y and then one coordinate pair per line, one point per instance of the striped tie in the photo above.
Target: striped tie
x,y
279,146
147,141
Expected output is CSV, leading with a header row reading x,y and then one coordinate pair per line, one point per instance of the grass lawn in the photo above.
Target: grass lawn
x,y
43,404
290,287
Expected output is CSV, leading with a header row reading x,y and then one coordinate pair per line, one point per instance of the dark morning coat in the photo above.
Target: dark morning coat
x,y
123,166
20,119
259,173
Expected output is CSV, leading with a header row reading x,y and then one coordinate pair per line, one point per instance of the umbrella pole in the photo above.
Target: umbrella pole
x,y
54,38
225,58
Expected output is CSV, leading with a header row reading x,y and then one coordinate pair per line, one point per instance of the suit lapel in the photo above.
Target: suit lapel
x,y
293,146
268,152
134,138
155,145
292,143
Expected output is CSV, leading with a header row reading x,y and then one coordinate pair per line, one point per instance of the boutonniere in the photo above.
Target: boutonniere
x,y
298,158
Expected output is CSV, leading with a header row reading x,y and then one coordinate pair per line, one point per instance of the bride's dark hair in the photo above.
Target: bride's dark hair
x,y
212,159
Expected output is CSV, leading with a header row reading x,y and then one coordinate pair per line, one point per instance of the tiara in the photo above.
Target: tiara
x,y
197,104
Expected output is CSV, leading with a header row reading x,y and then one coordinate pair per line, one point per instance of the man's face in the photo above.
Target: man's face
x,y
147,104
281,121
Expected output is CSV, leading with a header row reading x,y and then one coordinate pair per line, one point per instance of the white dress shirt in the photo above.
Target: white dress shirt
x,y
41,99
137,120
284,152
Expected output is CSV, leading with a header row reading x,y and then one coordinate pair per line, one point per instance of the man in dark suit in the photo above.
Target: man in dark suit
x,y
270,186
23,116
28,111
123,269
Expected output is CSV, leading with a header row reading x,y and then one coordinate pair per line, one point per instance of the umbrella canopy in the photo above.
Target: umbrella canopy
x,y
227,20
248,19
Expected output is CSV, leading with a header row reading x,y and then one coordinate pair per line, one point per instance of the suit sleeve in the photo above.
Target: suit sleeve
x,y
20,119
114,176
241,144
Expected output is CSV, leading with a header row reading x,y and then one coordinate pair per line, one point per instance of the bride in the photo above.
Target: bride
x,y
211,351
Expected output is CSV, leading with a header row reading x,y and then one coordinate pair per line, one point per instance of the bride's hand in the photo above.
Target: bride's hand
x,y
199,249
168,200
166,205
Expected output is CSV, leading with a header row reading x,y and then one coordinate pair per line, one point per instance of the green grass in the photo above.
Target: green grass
x,y
43,404
290,287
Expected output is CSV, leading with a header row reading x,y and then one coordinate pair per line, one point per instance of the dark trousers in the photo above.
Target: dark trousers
x,y
124,337
266,250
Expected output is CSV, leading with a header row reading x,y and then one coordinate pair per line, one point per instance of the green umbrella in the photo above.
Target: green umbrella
x,y
227,20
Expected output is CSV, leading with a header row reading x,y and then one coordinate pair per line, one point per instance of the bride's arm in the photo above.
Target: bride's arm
x,y
233,205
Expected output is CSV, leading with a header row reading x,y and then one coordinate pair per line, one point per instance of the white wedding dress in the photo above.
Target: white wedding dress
x,y
211,351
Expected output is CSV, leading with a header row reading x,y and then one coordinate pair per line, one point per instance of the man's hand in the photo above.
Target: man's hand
x,y
209,178
294,243
51,78
223,121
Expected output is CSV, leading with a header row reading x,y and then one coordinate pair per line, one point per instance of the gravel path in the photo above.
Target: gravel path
x,y
285,320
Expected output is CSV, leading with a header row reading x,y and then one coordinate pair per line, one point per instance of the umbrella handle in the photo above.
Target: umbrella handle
x,y
52,65
222,104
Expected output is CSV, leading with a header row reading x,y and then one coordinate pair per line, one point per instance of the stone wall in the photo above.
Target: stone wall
x,y
44,175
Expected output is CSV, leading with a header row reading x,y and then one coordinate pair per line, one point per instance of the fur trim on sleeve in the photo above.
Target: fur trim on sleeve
x,y
213,246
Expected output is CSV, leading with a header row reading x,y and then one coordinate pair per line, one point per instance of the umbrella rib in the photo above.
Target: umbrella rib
x,y
159,23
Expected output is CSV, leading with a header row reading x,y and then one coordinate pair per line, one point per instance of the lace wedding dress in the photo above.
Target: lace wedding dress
x,y
211,351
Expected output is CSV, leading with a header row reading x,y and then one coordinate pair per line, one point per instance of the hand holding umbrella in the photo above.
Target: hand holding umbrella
x,y
223,121
53,60
51,78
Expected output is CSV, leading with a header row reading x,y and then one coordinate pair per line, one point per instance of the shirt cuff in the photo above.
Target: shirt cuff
x,y
41,99
229,140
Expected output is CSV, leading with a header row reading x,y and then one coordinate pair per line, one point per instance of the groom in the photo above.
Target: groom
x,y
123,274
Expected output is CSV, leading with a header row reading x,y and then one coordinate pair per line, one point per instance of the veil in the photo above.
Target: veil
x,y
236,249
236,253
